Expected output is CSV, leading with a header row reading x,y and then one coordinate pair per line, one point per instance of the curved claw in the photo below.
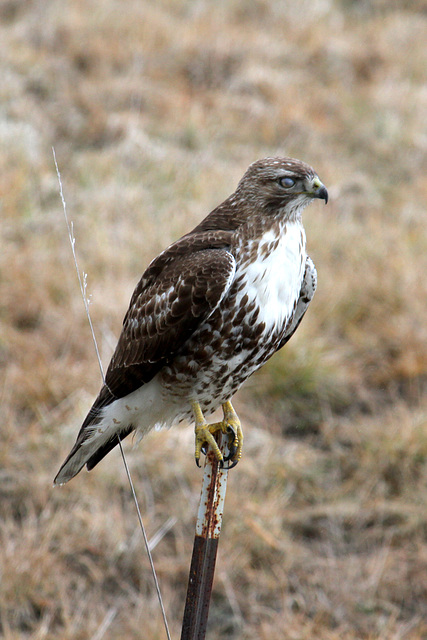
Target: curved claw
x,y
233,443
204,450
232,465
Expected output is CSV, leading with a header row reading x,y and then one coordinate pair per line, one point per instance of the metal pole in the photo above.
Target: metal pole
x,y
208,529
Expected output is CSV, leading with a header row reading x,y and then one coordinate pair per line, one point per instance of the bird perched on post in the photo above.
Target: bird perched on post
x,y
209,311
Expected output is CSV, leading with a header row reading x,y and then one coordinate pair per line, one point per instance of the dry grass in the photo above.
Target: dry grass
x,y
155,110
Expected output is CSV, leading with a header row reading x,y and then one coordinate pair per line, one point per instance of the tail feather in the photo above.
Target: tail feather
x,y
88,440
112,419
89,451
107,447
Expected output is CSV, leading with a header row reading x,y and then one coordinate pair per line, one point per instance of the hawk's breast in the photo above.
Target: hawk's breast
x,y
272,279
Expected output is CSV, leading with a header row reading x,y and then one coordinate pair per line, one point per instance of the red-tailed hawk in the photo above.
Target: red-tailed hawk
x,y
208,312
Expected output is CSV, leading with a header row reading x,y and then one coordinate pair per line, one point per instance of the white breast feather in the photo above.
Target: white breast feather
x,y
274,280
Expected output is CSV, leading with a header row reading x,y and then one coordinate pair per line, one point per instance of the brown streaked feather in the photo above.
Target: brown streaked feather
x,y
163,315
190,243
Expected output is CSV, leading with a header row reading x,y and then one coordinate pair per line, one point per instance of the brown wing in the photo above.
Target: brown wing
x,y
163,315
178,291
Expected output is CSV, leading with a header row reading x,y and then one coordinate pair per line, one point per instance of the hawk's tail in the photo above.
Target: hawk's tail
x,y
88,453
93,442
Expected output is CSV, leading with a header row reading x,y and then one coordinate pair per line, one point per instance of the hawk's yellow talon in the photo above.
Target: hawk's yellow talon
x,y
204,433
232,421
204,437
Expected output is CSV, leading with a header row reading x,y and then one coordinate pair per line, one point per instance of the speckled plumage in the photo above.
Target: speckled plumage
x,y
208,311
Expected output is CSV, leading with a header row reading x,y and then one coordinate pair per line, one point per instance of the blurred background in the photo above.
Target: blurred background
x,y
155,110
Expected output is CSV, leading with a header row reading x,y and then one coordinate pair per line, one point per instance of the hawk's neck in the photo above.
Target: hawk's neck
x,y
275,226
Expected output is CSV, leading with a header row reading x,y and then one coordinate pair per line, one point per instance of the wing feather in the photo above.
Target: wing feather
x,y
164,314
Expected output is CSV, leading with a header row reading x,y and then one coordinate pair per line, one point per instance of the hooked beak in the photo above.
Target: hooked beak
x,y
319,190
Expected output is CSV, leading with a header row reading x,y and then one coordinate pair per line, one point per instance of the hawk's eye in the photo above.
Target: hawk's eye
x,y
286,182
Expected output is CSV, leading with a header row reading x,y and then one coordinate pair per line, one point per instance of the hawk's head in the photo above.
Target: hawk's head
x,y
282,185
278,187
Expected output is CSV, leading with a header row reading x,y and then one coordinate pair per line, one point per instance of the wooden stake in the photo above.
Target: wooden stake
x,y
208,529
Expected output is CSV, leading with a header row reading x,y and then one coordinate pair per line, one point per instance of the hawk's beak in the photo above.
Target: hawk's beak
x,y
319,190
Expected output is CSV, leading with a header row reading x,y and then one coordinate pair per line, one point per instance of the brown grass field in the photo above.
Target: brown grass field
x,y
155,109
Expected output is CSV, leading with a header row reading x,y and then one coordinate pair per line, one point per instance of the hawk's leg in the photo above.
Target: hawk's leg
x,y
230,424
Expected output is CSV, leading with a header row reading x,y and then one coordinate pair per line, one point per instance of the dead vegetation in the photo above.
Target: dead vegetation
x,y
155,110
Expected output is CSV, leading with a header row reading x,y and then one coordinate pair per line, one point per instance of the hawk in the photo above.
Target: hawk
x,y
209,311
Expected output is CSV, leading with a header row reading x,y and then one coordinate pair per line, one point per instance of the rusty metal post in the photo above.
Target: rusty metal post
x,y
208,529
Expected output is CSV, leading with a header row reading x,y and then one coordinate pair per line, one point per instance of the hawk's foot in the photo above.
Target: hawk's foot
x,y
234,428
204,438
204,433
